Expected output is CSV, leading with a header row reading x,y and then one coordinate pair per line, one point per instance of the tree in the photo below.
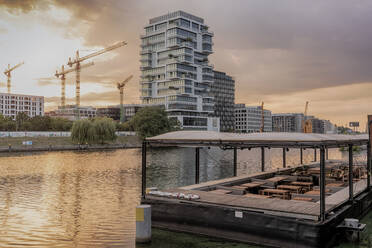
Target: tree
x,y
7,124
152,121
61,124
20,120
104,130
94,131
79,131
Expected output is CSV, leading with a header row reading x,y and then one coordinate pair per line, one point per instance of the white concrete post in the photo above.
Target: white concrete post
x,y
143,223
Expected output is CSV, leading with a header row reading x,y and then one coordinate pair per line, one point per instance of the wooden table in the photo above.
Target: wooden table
x,y
306,185
252,185
220,191
335,185
292,188
277,179
302,199
281,193
313,192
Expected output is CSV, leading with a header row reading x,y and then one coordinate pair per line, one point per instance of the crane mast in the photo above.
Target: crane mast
x,y
120,87
78,67
8,71
62,74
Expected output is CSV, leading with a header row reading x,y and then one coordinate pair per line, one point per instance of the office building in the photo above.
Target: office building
x,y
175,71
12,104
248,119
288,122
223,92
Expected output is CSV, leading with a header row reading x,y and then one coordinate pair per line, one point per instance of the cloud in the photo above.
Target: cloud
x,y
282,51
24,6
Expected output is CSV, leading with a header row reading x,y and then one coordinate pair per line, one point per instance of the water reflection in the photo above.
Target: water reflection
x,y
88,199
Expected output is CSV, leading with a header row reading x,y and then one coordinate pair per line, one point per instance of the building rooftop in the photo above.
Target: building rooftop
x,y
272,139
178,13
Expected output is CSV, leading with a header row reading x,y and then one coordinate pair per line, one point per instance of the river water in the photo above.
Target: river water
x,y
88,199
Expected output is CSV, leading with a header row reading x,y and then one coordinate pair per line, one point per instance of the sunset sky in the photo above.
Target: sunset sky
x,y
282,52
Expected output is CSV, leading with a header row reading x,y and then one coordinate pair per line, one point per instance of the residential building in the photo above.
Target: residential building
x,y
288,122
73,113
12,104
223,91
248,119
175,71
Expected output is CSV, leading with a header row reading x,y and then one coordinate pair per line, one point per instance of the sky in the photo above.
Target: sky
x,y
281,52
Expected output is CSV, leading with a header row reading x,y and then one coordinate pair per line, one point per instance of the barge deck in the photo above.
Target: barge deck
x,y
290,207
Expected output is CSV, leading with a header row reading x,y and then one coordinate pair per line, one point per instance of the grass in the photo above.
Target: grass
x,y
16,142
166,239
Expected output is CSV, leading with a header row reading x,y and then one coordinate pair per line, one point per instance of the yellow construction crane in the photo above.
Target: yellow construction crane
x,y
121,89
307,125
262,129
63,73
79,59
8,71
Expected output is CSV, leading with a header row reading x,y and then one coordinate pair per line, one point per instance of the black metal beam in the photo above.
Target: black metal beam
x,y
235,162
143,180
315,158
284,158
322,183
197,164
301,156
369,148
262,159
369,165
351,193
327,153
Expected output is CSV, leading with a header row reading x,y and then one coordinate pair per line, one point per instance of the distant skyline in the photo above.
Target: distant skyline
x,y
281,52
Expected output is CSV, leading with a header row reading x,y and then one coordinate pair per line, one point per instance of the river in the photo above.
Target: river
x,y
88,199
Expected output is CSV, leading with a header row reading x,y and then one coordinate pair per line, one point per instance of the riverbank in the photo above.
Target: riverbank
x,y
15,144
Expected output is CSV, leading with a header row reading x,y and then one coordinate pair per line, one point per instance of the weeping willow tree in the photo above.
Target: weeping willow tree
x,y
94,131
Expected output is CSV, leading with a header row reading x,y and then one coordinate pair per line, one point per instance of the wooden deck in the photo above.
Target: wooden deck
x,y
273,206
342,196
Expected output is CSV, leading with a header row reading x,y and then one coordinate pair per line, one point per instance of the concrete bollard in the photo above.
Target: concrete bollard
x,y
143,223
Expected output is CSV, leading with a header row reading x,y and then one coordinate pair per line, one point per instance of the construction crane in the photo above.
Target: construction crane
x,y
8,71
306,124
62,74
121,89
79,59
262,129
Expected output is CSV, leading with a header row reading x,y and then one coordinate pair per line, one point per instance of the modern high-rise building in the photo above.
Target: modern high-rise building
x,y
175,69
12,104
248,119
223,91
288,122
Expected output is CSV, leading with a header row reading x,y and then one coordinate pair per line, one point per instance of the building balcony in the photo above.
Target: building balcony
x,y
207,32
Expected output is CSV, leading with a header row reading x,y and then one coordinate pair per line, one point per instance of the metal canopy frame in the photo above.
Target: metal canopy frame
x,y
322,144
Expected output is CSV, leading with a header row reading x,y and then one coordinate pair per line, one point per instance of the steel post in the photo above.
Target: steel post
x,y
322,183
262,159
315,158
351,193
235,162
144,144
197,164
284,158
301,156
